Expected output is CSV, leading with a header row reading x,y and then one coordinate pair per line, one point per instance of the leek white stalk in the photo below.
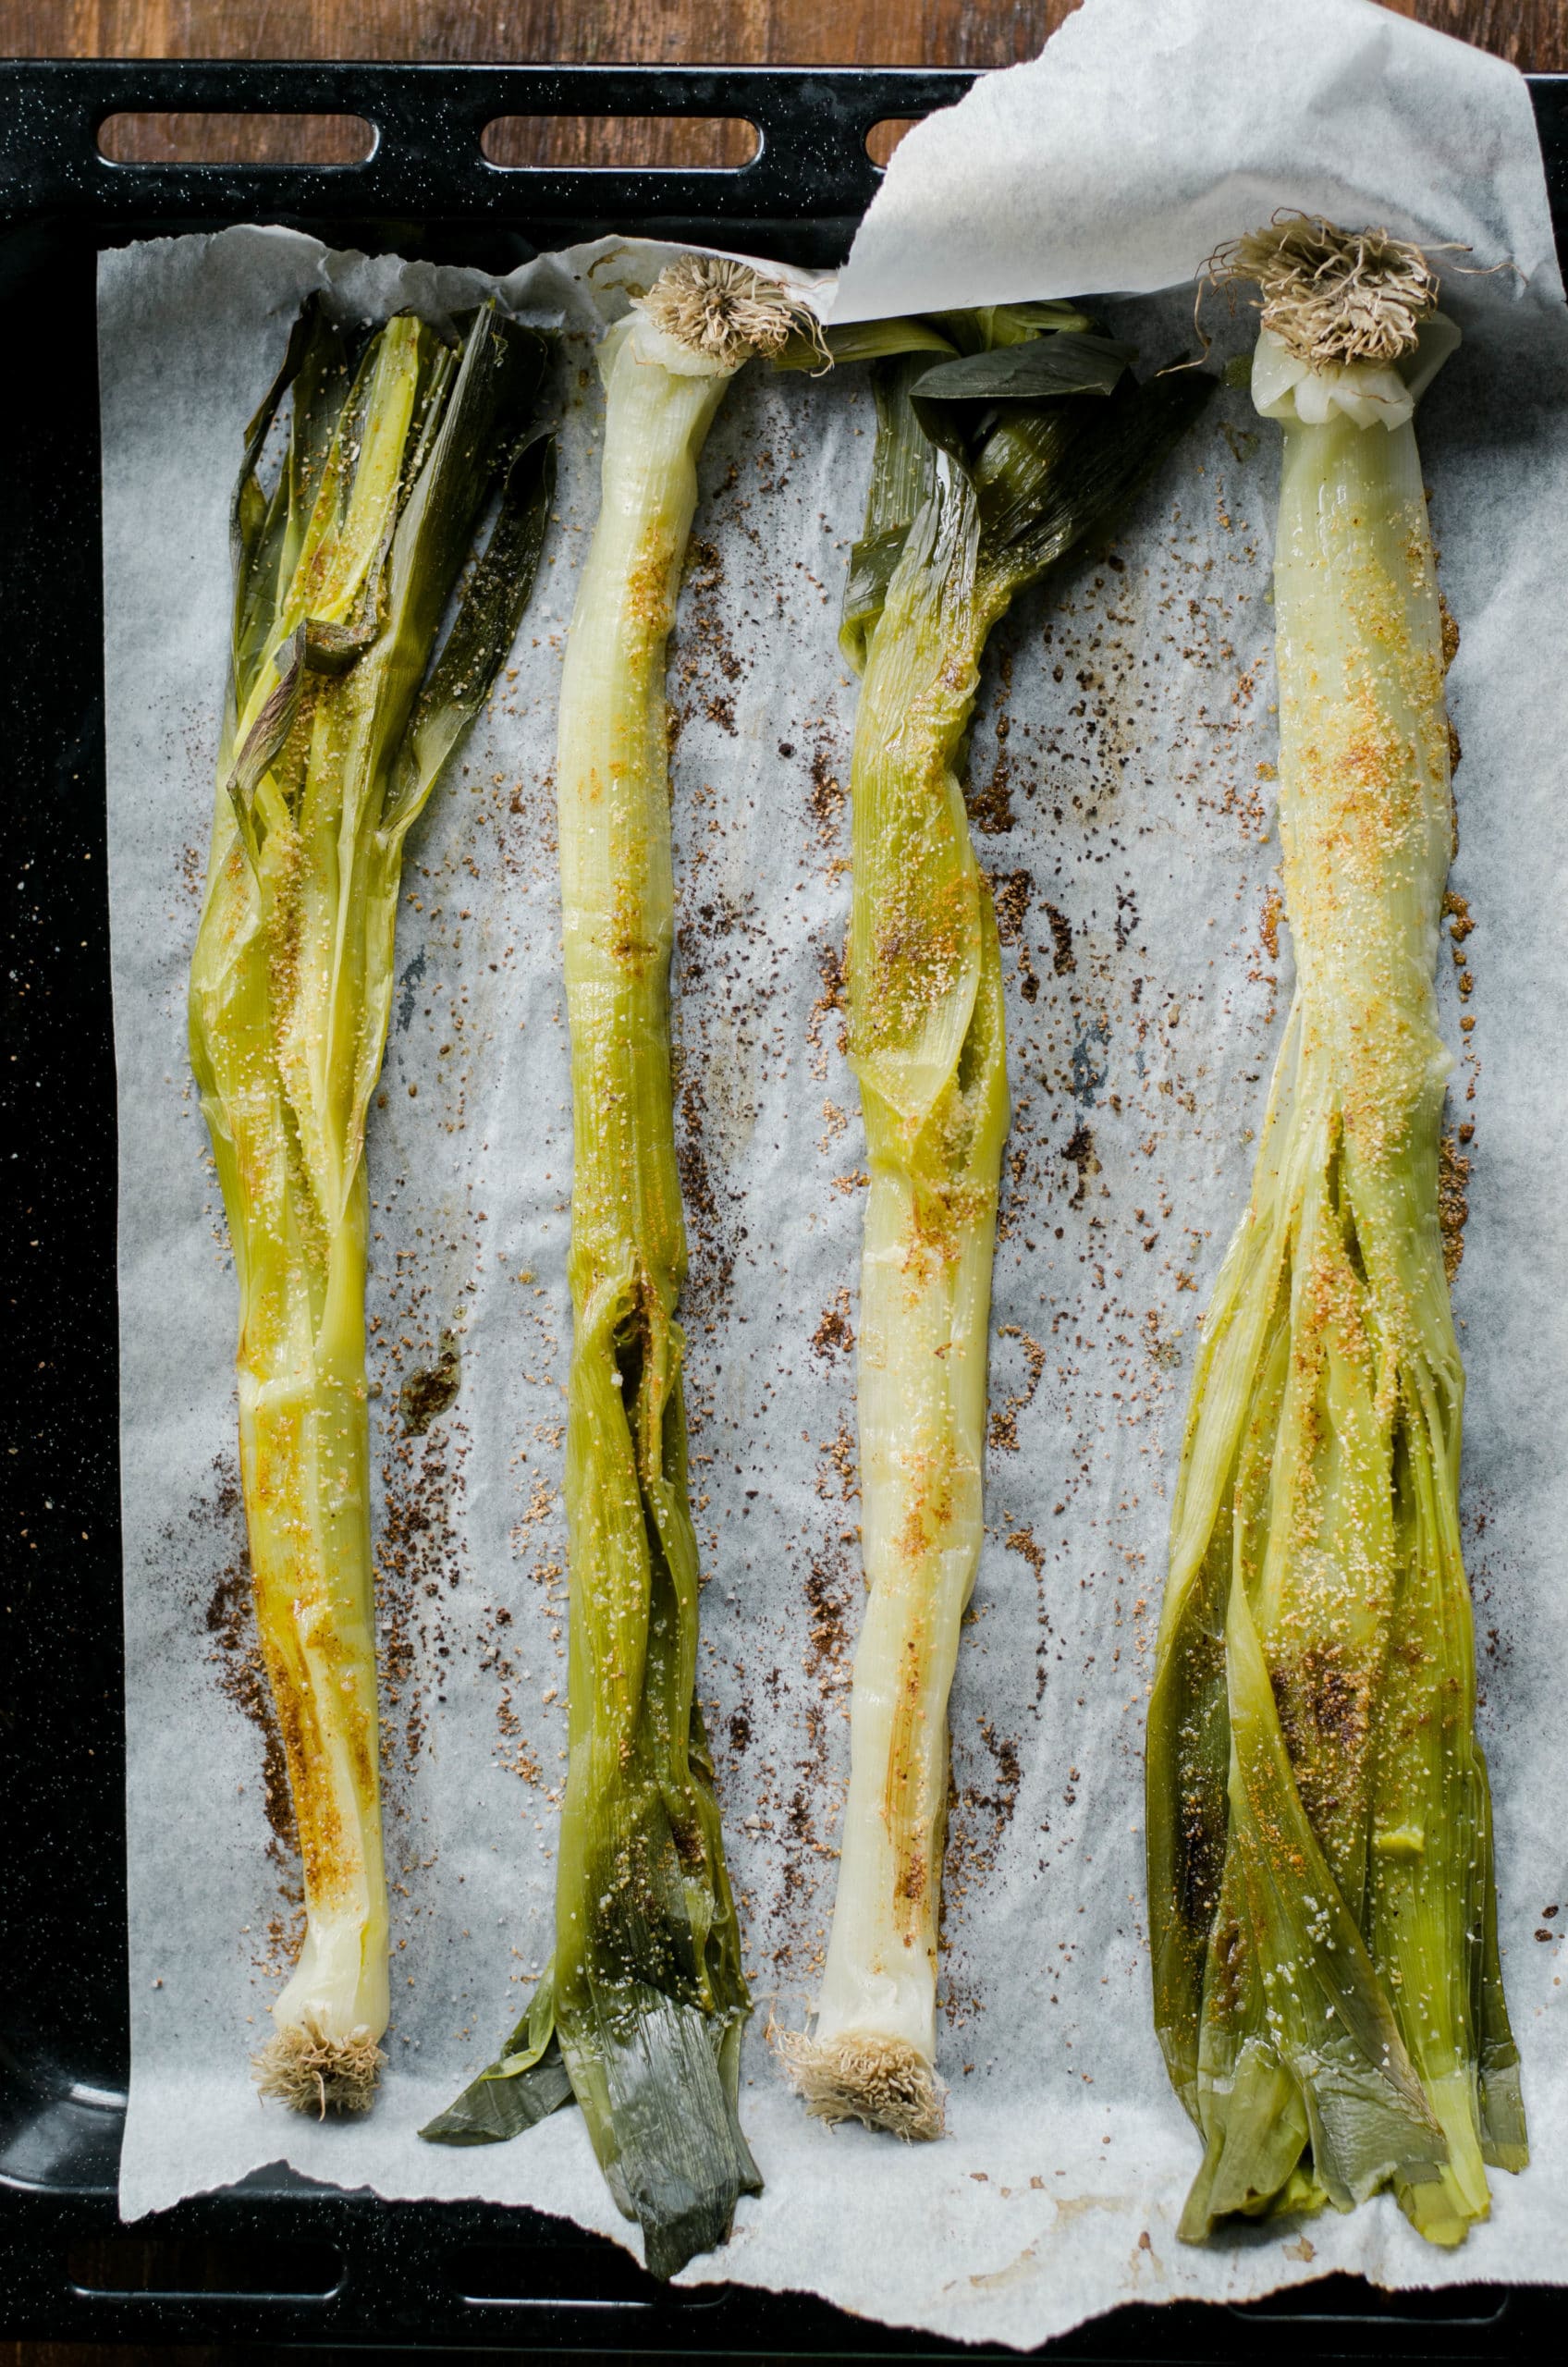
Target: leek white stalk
x,y
644,2006
333,741
928,1047
650,2000
1327,1978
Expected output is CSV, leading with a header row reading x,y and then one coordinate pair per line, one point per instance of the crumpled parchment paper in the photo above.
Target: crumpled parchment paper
x,y
1120,777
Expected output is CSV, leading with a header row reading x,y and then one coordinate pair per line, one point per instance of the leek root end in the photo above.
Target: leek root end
x,y
309,2072
885,2082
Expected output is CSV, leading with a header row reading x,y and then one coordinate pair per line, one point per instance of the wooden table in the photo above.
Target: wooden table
x,y
1533,33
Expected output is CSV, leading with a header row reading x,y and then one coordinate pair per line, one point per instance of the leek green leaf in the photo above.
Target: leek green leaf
x,y
527,2082
977,329
1047,479
1072,361
901,475
860,341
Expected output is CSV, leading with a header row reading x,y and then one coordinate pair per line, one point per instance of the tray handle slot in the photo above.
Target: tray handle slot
x,y
219,137
555,2262
790,162
885,135
1348,2301
620,142
166,2268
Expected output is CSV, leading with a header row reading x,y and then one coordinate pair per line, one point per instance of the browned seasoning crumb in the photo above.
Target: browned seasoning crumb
x,y
1020,1540
417,1563
843,1461
1011,891
241,1675
825,803
1062,956
228,1615
1004,1416
833,997
1273,911
834,1335
989,803
830,1640
711,1272
1454,1208
708,667
430,1389
1081,1153
980,1810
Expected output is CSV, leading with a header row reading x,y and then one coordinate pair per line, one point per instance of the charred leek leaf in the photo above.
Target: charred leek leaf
x,y
945,333
337,727
524,2085
1327,1982
1079,363
972,498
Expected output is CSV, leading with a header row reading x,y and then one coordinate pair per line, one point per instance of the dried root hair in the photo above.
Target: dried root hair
x,y
882,2081
1330,295
309,2072
728,312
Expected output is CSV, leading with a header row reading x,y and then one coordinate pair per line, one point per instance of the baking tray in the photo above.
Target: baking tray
x,y
278,2260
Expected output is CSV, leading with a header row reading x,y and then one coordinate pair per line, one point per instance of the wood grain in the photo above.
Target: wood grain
x,y
1532,33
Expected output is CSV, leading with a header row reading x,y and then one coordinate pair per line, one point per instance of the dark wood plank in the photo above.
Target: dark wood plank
x,y
1533,33
963,33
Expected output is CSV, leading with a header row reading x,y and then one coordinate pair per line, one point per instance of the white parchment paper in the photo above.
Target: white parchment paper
x,y
1120,773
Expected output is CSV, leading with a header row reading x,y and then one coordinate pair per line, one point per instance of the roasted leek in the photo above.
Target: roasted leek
x,y
337,727
1327,1987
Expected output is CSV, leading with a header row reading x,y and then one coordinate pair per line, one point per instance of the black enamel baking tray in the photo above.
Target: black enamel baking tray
x,y
278,2261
